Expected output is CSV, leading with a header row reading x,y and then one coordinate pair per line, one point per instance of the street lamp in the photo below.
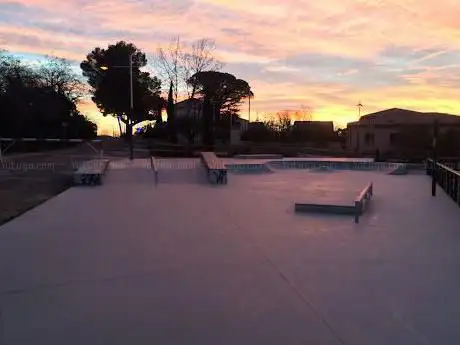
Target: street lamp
x,y
131,101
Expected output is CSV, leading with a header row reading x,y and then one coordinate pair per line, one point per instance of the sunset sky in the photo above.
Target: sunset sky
x,y
326,55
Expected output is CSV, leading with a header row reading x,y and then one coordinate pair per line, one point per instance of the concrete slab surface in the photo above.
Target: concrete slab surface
x,y
186,262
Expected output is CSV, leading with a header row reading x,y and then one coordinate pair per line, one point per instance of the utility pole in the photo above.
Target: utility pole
x,y
435,157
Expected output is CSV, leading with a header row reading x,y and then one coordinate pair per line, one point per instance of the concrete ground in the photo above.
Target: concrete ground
x,y
185,262
28,179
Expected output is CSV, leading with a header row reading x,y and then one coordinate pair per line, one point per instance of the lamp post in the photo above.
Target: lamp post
x,y
131,101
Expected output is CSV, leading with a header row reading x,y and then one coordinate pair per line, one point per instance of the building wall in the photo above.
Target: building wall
x,y
367,136
182,109
239,126
372,138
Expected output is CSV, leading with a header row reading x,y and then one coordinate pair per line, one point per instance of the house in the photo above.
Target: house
x,y
381,130
190,107
256,125
194,108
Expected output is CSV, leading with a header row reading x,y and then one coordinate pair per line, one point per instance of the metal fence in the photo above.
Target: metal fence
x,y
446,177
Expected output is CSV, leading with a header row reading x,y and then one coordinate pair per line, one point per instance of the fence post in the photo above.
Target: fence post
x,y
435,153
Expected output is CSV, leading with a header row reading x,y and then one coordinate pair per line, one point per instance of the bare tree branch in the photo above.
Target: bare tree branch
x,y
200,59
56,74
169,64
177,63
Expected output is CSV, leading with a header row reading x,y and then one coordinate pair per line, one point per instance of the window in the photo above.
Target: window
x,y
369,139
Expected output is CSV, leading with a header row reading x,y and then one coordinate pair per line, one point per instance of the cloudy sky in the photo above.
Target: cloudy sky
x,y
325,55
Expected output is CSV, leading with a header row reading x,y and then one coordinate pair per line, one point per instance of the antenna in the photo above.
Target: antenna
x,y
359,105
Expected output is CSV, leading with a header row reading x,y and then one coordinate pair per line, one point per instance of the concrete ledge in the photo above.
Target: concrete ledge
x,y
325,208
356,209
91,172
215,167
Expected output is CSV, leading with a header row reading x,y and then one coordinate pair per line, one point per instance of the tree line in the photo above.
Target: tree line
x,y
40,100
121,87
281,128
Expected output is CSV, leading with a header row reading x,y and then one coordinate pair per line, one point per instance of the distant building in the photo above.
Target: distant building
x,y
380,130
325,128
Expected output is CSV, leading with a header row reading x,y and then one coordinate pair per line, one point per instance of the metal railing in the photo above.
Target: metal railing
x,y
446,177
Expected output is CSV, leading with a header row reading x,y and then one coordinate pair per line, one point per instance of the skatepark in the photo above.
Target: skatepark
x,y
183,261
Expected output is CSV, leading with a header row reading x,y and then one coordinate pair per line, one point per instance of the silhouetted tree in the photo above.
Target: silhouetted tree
x,y
189,127
109,77
40,102
56,74
341,136
223,89
171,115
284,125
219,91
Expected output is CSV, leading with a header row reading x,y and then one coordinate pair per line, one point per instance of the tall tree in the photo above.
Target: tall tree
x,y
223,89
108,75
220,91
171,115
